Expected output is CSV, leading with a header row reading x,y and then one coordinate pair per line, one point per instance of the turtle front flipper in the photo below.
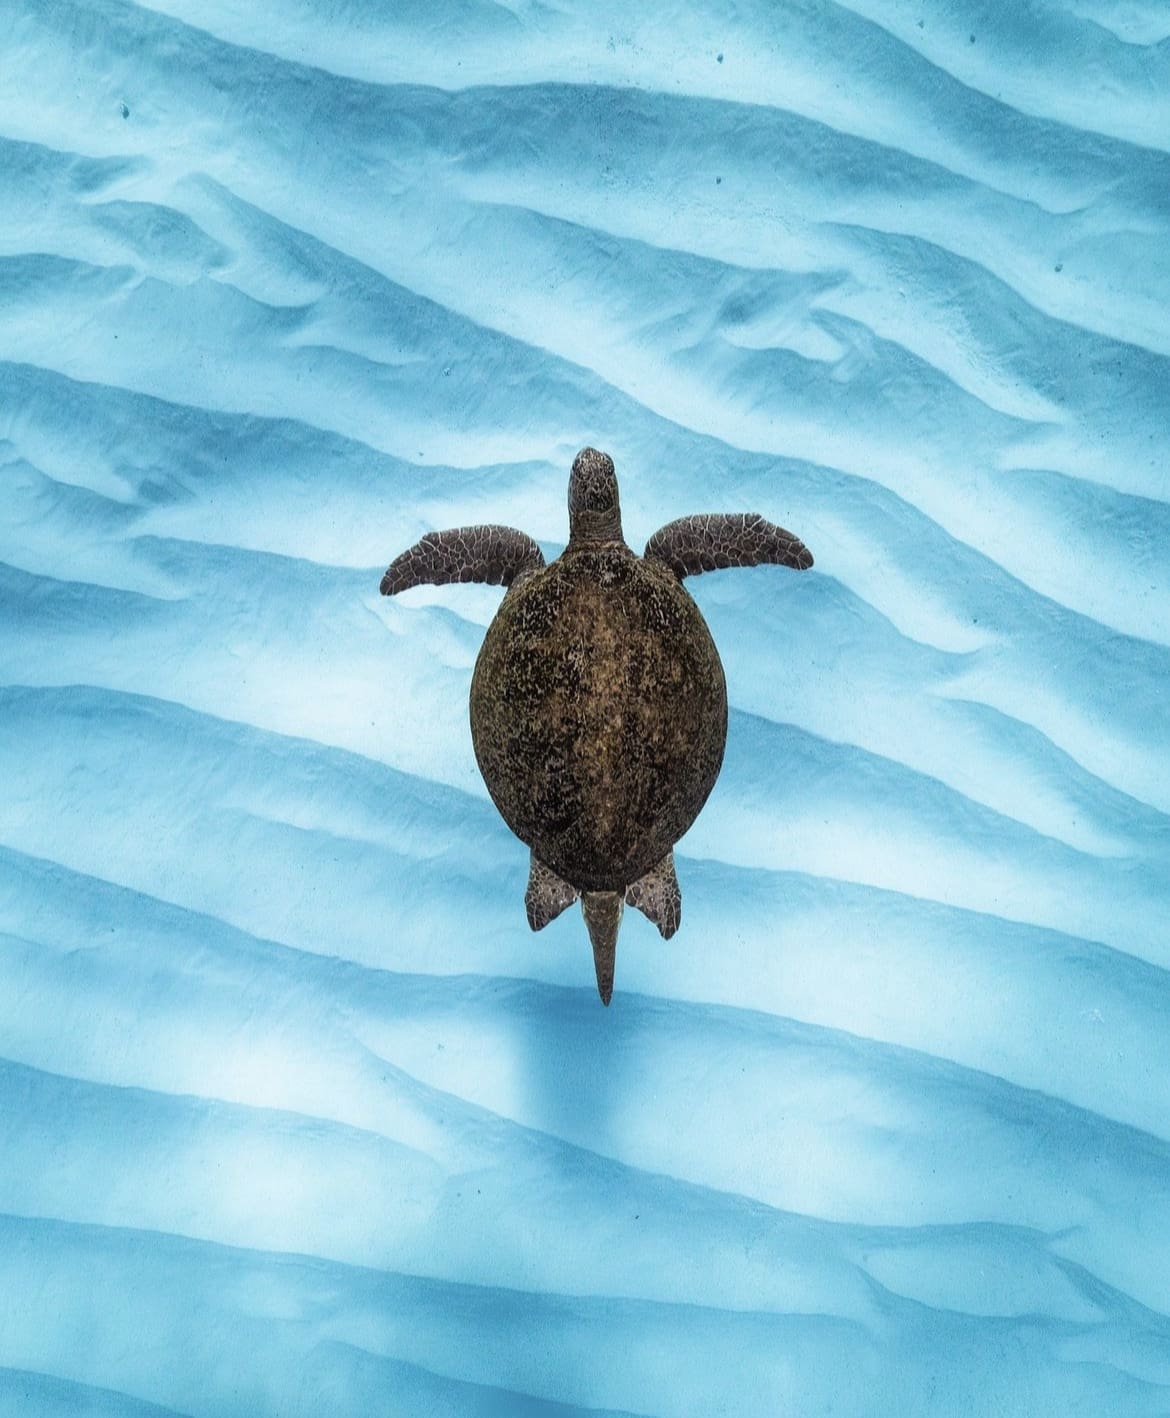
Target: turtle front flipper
x,y
496,555
716,540
547,895
658,897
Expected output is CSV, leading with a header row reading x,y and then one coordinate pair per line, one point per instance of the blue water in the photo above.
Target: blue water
x,y
297,1118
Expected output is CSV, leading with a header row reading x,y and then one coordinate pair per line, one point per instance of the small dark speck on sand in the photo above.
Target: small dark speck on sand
x,y
125,110
719,59
970,39
921,24
718,180
1058,267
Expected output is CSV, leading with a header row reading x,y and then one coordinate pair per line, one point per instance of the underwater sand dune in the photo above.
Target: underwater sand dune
x,y
297,1115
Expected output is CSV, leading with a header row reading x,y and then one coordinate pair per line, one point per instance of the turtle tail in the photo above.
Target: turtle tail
x,y
603,916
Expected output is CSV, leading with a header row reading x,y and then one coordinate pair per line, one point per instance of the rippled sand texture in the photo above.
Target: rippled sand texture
x,y
297,1118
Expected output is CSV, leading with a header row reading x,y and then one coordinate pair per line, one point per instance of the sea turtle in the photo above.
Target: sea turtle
x,y
598,703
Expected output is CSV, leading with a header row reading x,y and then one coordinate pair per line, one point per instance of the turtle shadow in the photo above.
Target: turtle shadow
x,y
579,1064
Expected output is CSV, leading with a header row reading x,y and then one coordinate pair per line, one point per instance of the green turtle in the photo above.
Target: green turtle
x,y
598,703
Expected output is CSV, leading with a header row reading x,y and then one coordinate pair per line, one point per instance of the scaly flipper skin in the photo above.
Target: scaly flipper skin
x,y
547,895
715,540
496,555
658,897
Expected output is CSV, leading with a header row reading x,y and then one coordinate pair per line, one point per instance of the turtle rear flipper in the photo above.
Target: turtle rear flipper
x,y
496,555
716,540
547,895
658,897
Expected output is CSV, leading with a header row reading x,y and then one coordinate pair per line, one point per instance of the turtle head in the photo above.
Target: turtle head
x,y
595,513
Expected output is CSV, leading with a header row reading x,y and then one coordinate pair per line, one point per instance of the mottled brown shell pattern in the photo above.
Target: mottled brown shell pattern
x,y
599,714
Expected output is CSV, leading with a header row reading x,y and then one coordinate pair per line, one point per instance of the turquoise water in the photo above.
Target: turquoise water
x,y
296,1115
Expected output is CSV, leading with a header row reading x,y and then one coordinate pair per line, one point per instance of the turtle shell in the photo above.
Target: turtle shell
x,y
599,714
